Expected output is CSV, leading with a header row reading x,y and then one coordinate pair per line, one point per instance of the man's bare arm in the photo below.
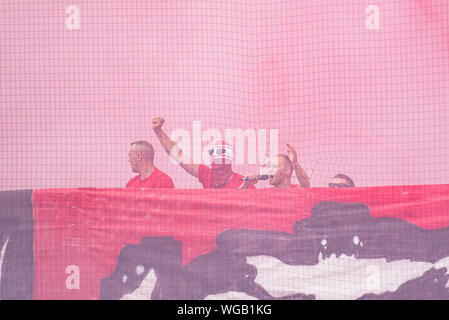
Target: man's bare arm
x,y
173,149
301,174
303,179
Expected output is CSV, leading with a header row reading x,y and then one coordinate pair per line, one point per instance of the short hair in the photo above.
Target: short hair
x,y
145,148
287,161
345,177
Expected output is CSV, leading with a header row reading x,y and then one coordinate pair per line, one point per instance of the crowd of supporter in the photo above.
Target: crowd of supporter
x,y
219,174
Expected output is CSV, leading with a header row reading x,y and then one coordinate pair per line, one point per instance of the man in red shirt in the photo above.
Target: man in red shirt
x,y
218,175
280,171
141,159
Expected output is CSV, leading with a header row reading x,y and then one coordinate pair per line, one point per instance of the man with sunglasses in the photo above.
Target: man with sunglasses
x,y
280,170
218,175
341,181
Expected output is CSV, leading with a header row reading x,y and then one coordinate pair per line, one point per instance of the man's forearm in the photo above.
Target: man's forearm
x,y
165,140
176,153
302,176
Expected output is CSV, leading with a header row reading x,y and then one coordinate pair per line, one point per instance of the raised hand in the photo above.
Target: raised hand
x,y
157,123
292,154
304,181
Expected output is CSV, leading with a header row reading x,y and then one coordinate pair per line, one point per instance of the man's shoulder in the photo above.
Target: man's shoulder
x,y
203,168
162,180
204,175
160,174
236,176
131,181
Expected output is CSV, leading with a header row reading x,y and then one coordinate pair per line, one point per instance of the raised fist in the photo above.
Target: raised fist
x,y
158,123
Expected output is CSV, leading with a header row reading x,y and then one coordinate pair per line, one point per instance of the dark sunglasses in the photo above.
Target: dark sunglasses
x,y
219,151
338,185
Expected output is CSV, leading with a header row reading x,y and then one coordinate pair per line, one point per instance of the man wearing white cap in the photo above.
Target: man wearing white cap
x,y
218,175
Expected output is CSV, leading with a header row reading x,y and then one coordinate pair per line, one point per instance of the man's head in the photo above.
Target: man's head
x,y
341,181
140,154
280,170
221,153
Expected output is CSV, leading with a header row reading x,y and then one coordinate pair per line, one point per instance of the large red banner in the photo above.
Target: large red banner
x,y
79,233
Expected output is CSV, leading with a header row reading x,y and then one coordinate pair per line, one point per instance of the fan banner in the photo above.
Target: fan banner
x,y
317,243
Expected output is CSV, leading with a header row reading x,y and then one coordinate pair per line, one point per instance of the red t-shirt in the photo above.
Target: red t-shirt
x,y
157,179
294,186
205,177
